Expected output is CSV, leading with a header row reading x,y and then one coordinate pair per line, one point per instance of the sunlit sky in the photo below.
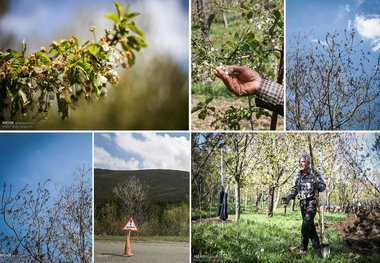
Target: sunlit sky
x,y
164,22
325,16
29,158
145,150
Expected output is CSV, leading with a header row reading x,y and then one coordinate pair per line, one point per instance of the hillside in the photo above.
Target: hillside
x,y
164,185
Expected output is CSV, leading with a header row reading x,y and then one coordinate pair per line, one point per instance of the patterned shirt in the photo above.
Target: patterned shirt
x,y
303,185
270,95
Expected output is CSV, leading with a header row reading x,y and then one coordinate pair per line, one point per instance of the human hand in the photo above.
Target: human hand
x,y
243,81
285,200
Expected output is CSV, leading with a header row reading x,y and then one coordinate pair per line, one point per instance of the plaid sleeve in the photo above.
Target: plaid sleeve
x,y
270,93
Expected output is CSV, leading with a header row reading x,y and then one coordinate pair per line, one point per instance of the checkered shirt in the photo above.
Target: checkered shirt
x,y
303,185
270,95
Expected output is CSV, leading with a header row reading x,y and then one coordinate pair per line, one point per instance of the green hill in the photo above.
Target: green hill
x,y
164,185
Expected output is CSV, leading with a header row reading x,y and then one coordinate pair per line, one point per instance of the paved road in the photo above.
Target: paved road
x,y
157,252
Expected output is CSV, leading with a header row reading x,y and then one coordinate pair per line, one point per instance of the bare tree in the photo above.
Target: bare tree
x,y
134,197
75,217
332,85
41,229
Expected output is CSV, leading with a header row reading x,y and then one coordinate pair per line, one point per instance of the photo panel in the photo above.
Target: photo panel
x,y
97,65
332,65
46,197
141,197
237,65
285,197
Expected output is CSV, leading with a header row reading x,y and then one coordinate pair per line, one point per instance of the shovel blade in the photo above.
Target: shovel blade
x,y
325,250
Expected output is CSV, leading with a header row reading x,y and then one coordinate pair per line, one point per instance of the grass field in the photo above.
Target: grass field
x,y
257,238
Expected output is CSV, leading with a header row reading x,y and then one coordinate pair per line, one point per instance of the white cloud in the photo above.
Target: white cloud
x,y
323,43
107,136
157,151
349,24
104,158
348,9
369,28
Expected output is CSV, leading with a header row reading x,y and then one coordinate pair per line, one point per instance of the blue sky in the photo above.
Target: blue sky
x,y
164,22
325,16
29,158
144,150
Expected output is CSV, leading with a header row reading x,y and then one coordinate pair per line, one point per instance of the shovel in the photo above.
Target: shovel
x,y
325,248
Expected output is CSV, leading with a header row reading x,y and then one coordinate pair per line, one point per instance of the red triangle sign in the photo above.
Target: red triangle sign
x,y
130,226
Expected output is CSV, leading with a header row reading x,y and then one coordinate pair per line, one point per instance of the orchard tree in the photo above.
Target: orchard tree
x,y
67,71
332,85
48,228
134,196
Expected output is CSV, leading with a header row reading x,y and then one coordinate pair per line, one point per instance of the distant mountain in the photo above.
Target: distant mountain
x,y
164,185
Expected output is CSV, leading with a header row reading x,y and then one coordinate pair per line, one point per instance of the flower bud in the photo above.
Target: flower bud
x,y
53,44
25,69
108,31
71,40
123,41
43,49
2,75
92,28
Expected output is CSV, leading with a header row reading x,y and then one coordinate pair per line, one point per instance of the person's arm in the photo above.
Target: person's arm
x,y
270,95
244,81
293,191
319,183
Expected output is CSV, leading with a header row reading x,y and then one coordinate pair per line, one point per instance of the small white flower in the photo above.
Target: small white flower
x,y
100,80
106,47
262,250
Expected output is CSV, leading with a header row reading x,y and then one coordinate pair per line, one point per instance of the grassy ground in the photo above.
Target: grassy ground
x,y
257,238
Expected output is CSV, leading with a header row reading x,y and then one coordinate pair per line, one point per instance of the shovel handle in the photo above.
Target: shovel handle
x,y
315,190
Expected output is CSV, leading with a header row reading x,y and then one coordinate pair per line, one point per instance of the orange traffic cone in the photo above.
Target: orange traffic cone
x,y
127,250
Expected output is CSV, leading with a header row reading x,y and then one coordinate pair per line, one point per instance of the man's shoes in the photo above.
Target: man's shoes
x,y
301,253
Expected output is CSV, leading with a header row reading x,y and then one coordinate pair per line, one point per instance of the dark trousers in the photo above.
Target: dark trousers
x,y
308,210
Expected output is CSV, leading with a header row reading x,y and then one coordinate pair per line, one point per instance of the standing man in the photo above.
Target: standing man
x,y
304,186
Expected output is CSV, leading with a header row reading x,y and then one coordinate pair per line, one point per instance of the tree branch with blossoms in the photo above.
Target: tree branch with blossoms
x,y
67,71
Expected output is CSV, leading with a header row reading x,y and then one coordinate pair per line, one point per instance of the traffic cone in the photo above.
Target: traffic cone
x,y
127,250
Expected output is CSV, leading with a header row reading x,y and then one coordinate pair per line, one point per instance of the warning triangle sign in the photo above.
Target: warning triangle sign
x,y
130,226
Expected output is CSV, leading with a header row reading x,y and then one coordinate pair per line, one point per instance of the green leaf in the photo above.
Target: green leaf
x,y
24,97
236,37
208,100
244,47
135,29
42,59
70,59
242,5
18,62
136,43
271,30
126,11
12,52
195,27
277,15
196,108
258,115
84,66
113,17
118,8
132,15
202,115
250,15
94,49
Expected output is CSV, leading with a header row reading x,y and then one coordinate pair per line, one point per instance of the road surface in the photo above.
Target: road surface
x,y
143,251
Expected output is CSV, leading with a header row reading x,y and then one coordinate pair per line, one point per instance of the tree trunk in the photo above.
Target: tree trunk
x,y
225,20
262,196
271,189
293,204
237,200
278,198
